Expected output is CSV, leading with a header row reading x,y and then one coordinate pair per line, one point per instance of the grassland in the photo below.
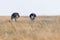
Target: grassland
x,y
42,28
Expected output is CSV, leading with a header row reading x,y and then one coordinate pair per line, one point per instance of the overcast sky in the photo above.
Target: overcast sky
x,y
25,7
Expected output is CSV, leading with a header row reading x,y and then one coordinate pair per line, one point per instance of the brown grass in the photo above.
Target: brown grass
x,y
42,28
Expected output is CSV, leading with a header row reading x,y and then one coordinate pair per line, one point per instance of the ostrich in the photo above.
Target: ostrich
x,y
32,16
15,15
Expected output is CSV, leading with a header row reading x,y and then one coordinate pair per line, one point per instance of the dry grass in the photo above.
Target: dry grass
x,y
43,28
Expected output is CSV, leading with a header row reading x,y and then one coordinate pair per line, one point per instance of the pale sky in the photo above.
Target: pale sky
x,y
25,7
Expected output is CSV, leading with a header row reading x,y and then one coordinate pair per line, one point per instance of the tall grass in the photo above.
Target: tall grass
x,y
24,29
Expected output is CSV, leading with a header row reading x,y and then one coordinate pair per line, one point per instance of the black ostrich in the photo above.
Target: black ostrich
x,y
15,15
32,16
